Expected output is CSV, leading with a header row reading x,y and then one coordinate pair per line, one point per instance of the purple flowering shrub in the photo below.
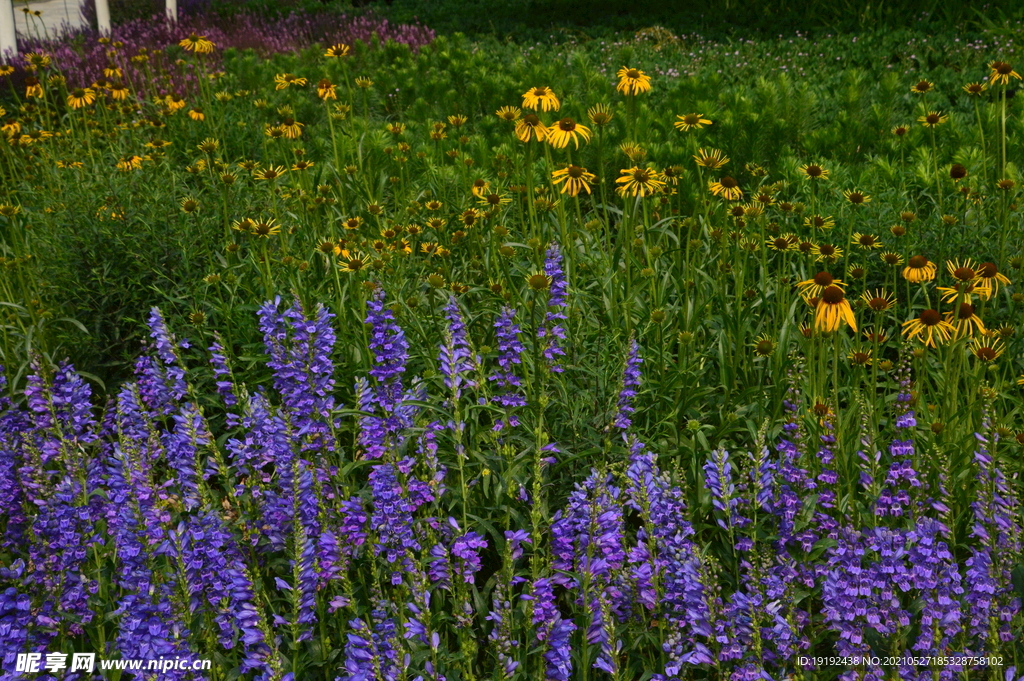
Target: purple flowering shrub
x,y
299,529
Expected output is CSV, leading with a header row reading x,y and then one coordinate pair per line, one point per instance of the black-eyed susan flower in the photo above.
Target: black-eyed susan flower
x,y
819,222
689,122
6,70
933,119
564,130
865,241
69,164
37,60
352,223
813,171
600,114
872,335
457,120
974,89
763,345
879,300
509,113
542,98
284,80
302,165
856,197
338,50
352,262
727,187
672,173
900,131
964,320
928,326
987,350
813,287
991,278
33,88
833,310
189,204
638,181
197,43
271,173
265,228
363,83
530,127
964,272
494,200
128,163
921,87
573,179
783,243
480,187
712,159
827,253
860,357
919,269
957,172
173,103
1002,72
325,89
196,113
633,81
633,151
292,128
80,97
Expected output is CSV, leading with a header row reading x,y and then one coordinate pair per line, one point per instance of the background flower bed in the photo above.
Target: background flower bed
x,y
329,485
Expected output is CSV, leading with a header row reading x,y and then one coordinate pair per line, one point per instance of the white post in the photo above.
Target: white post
x,y
103,17
8,36
172,11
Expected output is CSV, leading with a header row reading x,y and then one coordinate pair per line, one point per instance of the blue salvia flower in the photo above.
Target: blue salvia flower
x,y
372,655
466,549
558,657
501,631
392,518
552,329
457,360
630,382
510,351
62,529
300,355
937,578
223,376
718,477
13,425
390,353
181,447
166,346
307,528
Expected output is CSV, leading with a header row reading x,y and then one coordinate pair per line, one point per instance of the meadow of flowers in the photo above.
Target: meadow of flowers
x,y
371,354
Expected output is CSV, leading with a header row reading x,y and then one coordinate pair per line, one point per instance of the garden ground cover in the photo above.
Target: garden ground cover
x,y
425,357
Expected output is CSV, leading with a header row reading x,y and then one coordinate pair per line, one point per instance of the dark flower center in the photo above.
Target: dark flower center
x,y
691,119
966,311
918,261
531,120
930,318
814,171
964,273
729,183
567,124
878,304
634,74
988,270
823,279
574,172
827,250
833,295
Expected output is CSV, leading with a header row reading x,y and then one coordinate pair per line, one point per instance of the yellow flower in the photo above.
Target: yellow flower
x,y
922,87
284,80
292,128
189,204
712,159
991,278
174,102
338,50
575,179
814,287
933,119
833,310
728,188
919,269
33,88
509,113
633,81
987,352
691,121
639,181
819,222
326,90
975,89
265,228
530,126
119,91
814,171
865,241
857,198
561,132
1002,73
6,70
600,114
80,97
542,98
196,114
197,43
964,321
364,83
129,163
929,325
879,300
271,173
